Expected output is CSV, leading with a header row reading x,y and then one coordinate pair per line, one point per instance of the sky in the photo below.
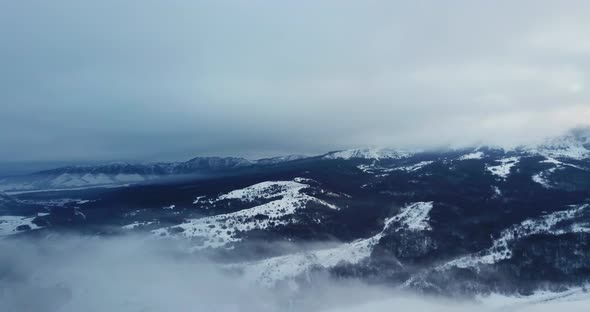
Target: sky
x,y
170,80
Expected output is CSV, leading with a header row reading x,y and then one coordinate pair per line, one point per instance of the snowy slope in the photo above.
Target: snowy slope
x,y
268,272
382,171
505,165
414,216
221,230
471,156
548,224
544,177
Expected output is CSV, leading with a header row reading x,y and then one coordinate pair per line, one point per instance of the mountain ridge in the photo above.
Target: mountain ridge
x,y
574,145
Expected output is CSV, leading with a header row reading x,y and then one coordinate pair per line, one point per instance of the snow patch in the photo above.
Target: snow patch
x,y
503,170
474,155
264,190
497,191
413,168
198,199
9,224
380,171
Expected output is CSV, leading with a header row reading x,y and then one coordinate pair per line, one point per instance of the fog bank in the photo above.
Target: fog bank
x,y
132,274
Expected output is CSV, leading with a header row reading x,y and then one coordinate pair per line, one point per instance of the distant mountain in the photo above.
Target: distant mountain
x,y
5,199
369,153
279,159
573,145
113,174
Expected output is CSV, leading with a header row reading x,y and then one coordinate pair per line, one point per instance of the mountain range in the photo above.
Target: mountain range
x,y
468,222
573,145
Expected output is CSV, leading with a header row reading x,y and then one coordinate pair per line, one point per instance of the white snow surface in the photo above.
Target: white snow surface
x,y
415,216
270,271
9,224
198,199
264,190
220,230
503,169
474,155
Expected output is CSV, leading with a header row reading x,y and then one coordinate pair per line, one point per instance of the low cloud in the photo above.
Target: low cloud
x,y
135,273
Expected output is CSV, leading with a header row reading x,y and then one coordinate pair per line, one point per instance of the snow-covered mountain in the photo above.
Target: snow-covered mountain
x,y
574,145
370,153
470,221
275,203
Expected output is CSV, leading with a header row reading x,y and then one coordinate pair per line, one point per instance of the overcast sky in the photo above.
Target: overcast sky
x,y
107,80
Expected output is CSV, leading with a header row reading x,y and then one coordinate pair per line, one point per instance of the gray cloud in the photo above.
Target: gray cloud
x,y
112,80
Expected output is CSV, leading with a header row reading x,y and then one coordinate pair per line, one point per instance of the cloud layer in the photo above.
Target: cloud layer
x,y
112,80
134,273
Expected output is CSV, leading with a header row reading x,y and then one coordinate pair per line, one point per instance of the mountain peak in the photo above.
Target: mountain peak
x,y
369,153
574,144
